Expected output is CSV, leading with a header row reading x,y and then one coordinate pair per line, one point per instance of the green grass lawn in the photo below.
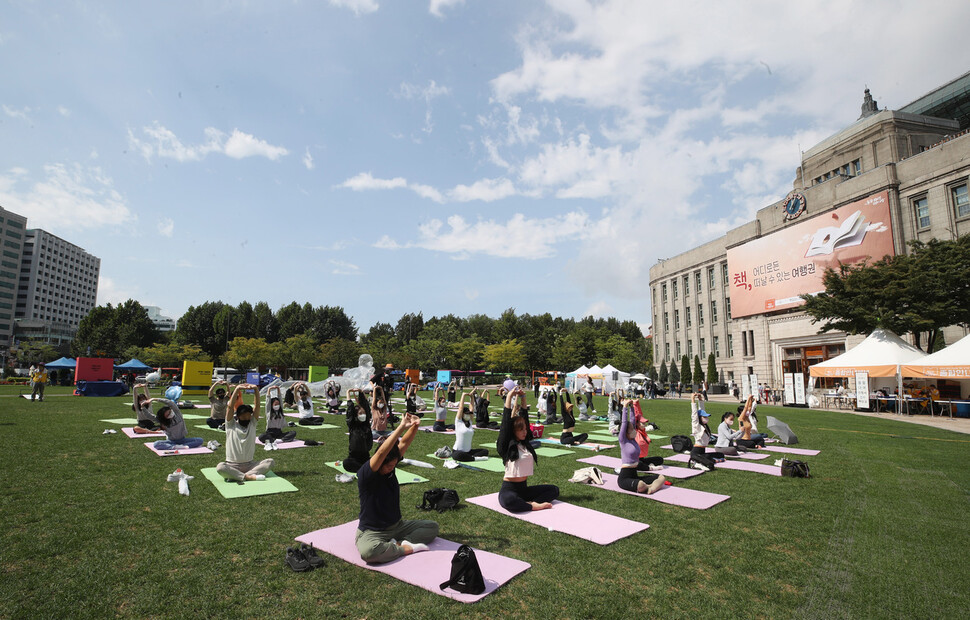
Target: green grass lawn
x,y
92,529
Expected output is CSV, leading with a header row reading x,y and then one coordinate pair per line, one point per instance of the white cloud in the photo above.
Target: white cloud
x,y
599,309
427,94
366,181
67,197
343,268
436,5
520,237
308,159
65,112
163,142
486,190
166,226
15,113
357,6
426,191
109,292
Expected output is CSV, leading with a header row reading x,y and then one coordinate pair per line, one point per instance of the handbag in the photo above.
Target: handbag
x,y
466,574
795,469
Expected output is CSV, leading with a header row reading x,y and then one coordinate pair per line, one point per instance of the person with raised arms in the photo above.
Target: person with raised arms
x,y
515,447
380,526
569,422
169,417
464,432
361,438
218,402
748,440
241,439
275,420
699,459
440,413
629,479
647,462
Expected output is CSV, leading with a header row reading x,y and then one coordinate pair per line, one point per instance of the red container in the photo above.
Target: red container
x,y
537,430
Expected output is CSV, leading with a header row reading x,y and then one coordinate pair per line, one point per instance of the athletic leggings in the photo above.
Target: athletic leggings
x,y
215,422
515,496
461,455
149,424
750,443
702,451
275,434
647,461
629,480
568,439
440,427
353,463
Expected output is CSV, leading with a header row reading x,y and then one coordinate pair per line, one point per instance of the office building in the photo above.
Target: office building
x,y
13,228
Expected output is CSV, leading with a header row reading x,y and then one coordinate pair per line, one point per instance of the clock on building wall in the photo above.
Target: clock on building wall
x,y
794,205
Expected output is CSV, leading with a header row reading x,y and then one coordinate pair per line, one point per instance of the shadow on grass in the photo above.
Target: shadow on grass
x,y
480,542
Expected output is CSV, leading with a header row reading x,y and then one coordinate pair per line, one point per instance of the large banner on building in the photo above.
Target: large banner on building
x,y
773,272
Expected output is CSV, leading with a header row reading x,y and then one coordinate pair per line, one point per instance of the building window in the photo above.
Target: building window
x,y
710,276
714,312
678,349
744,344
666,322
727,307
961,201
676,319
703,349
724,274
673,284
653,297
686,286
717,347
666,351
700,315
697,281
857,167
687,310
690,349
922,208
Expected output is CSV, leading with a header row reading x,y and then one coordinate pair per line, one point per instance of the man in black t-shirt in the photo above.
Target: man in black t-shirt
x,y
382,535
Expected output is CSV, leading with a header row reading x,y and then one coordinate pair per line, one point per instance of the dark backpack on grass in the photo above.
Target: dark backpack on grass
x,y
439,499
466,574
795,469
681,443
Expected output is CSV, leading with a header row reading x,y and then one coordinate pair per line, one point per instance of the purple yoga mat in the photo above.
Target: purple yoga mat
x,y
771,470
286,445
748,456
427,570
673,495
802,451
611,462
585,523
199,450
127,430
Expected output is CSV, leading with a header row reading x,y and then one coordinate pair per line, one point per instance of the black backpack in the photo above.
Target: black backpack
x,y
439,499
466,574
795,469
681,443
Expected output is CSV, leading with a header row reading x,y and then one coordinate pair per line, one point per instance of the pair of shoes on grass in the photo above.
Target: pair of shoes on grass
x,y
303,558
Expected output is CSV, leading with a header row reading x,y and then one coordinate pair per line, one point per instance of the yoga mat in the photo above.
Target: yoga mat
x,y
320,426
206,427
403,477
128,421
133,435
596,447
426,570
231,489
770,470
199,450
602,437
673,495
748,456
612,462
192,416
802,451
493,464
552,452
585,523
286,445
430,429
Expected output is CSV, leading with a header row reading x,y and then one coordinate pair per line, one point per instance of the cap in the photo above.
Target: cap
x,y
703,413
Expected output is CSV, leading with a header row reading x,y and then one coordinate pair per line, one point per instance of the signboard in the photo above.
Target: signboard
x,y
94,369
413,374
799,388
789,388
745,387
318,373
196,377
862,390
755,386
444,377
771,273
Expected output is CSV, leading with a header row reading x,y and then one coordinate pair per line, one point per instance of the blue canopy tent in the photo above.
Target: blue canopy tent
x,y
63,363
134,365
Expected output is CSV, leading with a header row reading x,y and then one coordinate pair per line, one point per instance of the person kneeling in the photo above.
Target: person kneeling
x,y
382,535
241,440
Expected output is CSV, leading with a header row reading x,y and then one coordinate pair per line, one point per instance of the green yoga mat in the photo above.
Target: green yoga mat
x,y
492,464
602,437
230,490
122,421
403,477
194,416
206,427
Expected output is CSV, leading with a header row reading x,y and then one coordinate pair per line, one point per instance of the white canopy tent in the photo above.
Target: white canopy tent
x,y
953,362
622,381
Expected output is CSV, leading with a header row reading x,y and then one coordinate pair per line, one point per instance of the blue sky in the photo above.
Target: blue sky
x,y
442,156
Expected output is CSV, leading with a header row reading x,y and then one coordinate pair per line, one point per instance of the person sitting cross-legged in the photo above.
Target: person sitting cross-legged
x,y
241,439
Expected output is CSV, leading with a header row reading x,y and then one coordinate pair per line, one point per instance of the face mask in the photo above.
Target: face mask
x,y
381,406
361,417
243,423
277,408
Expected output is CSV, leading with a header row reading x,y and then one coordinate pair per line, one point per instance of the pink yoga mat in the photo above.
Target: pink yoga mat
x,y
127,430
427,570
770,470
585,523
802,451
673,495
286,445
595,447
611,462
748,456
199,450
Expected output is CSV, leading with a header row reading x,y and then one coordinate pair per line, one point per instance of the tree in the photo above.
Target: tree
x,y
378,330
265,325
917,293
481,325
196,327
674,375
698,373
617,351
712,376
685,375
507,326
34,351
339,353
663,376
652,372
409,327
249,353
467,353
332,322
300,351
505,356
108,331
171,355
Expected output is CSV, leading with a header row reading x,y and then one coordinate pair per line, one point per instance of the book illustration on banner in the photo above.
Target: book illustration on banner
x,y
830,238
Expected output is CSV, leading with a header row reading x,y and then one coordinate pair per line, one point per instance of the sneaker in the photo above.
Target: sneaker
x,y
212,445
344,478
697,465
268,446
583,417
655,467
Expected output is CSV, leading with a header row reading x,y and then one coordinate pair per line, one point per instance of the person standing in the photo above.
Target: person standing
x,y
39,380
